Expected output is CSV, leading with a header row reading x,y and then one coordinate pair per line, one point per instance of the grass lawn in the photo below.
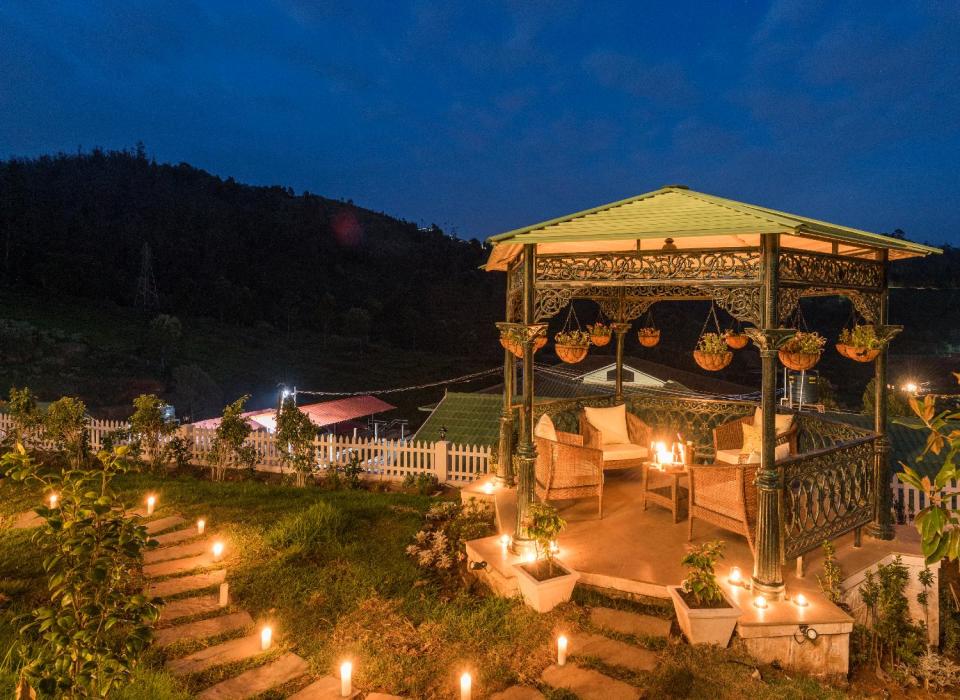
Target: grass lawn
x,y
329,570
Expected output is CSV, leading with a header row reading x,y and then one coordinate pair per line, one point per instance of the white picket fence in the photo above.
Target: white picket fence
x,y
913,501
385,459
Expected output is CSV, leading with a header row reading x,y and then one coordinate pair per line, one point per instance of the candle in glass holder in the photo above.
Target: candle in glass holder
x,y
800,600
151,502
504,542
488,488
266,637
201,525
561,650
346,679
466,684
217,551
760,602
736,576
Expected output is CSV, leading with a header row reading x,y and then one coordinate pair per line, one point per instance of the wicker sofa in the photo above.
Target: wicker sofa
x,y
728,438
622,449
565,468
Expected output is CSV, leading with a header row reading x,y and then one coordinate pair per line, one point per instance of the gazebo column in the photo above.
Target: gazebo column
x,y
505,473
767,573
882,525
526,449
621,330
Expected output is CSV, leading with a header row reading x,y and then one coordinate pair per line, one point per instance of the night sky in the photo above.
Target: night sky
x,y
485,116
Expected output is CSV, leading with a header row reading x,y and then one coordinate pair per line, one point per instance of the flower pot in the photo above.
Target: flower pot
x,y
571,354
712,361
517,348
862,354
737,341
648,337
705,625
544,593
798,361
843,349
600,340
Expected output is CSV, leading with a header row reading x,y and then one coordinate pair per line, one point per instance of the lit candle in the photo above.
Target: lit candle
x,y
561,650
465,685
224,594
488,488
504,540
53,500
760,602
201,524
217,551
530,557
266,636
346,679
151,502
554,547
736,577
800,600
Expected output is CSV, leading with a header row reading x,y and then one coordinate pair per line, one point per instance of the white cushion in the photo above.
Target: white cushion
x,y
611,422
545,428
752,438
728,456
734,456
783,421
617,452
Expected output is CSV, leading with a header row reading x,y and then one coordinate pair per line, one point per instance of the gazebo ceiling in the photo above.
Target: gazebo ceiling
x,y
694,221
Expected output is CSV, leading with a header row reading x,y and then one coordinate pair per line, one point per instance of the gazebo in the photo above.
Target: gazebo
x,y
755,263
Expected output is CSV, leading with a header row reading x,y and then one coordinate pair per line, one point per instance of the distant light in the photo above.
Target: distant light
x,y
911,387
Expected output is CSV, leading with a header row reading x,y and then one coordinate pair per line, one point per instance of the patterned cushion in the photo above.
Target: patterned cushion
x,y
611,422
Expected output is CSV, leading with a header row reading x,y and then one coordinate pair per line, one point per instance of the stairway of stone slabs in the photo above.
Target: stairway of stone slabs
x,y
202,632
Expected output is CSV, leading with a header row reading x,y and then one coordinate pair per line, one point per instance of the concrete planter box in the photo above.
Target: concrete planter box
x,y
543,596
705,625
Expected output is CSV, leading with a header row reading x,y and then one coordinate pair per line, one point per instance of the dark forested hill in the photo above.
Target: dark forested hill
x,y
76,225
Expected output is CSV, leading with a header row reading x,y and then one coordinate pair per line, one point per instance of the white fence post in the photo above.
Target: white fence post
x,y
440,460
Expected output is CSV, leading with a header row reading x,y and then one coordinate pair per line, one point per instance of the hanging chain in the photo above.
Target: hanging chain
x,y
712,313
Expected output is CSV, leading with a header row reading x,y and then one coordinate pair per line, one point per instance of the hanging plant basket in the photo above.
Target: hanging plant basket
x,y
798,361
861,354
736,341
600,334
571,354
843,349
713,361
802,351
860,343
509,341
648,337
572,344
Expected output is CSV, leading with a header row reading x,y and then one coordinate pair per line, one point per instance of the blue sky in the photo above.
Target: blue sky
x,y
485,116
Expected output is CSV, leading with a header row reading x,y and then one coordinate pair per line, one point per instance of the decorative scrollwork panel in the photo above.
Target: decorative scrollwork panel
x,y
742,303
627,267
820,269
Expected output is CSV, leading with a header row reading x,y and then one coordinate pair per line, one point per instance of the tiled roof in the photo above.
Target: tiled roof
x,y
321,414
700,383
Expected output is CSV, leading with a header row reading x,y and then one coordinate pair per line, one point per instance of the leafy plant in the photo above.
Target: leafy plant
x,y
925,579
178,451
544,525
85,641
149,425
229,444
712,344
26,417
423,484
65,424
832,574
439,546
296,433
700,583
600,328
805,342
936,672
894,638
863,337
648,330
578,337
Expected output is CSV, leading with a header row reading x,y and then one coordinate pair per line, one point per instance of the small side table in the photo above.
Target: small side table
x,y
663,487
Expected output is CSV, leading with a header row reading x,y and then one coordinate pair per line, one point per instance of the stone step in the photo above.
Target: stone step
x,y
517,692
257,680
162,524
179,566
385,696
613,652
179,552
629,622
187,607
169,538
201,629
325,688
218,654
183,584
27,520
588,684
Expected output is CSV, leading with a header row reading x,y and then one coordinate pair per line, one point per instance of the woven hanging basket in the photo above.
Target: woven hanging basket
x,y
861,354
798,361
517,348
648,337
843,349
713,361
737,341
601,340
571,354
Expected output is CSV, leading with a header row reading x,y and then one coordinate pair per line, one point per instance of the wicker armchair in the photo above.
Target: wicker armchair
x,y
728,439
726,496
567,469
640,437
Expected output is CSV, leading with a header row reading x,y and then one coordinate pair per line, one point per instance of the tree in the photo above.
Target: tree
x,y
195,394
26,417
229,443
65,424
151,427
165,334
897,405
295,435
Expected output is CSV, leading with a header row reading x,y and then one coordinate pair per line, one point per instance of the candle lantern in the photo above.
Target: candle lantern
x,y
561,650
346,679
266,637
151,503
201,525
466,683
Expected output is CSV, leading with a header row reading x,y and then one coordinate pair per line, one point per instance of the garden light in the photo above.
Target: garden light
x,y
561,650
488,488
217,551
346,679
151,502
760,602
504,540
53,500
201,524
466,683
800,600
736,577
266,637
910,387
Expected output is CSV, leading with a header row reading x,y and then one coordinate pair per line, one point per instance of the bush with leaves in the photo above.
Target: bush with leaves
x,y
85,641
150,428
25,416
65,425
439,546
229,446
712,344
893,637
700,588
544,526
423,484
832,578
937,673
295,436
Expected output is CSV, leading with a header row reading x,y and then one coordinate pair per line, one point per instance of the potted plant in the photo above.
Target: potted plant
x,y
545,582
802,351
512,340
572,346
600,333
736,340
648,336
712,352
860,343
705,612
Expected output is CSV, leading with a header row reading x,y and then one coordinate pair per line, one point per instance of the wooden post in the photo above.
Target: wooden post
x,y
526,450
767,574
882,526
441,460
621,330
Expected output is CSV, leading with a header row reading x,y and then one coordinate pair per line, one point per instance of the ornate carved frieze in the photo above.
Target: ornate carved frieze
x,y
820,269
636,267
743,303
